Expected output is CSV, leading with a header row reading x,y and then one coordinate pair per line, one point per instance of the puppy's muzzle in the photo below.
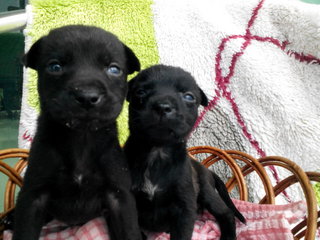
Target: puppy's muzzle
x,y
164,109
87,97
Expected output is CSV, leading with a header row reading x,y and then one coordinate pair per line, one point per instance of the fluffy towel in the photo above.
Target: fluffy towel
x,y
264,222
257,60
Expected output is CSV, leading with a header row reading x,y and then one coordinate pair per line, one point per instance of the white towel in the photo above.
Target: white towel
x,y
259,63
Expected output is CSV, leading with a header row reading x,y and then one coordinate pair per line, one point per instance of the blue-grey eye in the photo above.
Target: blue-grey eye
x,y
189,97
114,70
54,67
140,92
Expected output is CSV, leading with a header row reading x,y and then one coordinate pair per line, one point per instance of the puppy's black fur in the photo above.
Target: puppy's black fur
x,y
77,170
169,187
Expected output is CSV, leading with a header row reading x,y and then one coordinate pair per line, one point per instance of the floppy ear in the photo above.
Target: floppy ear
x,y
130,88
31,57
204,99
133,63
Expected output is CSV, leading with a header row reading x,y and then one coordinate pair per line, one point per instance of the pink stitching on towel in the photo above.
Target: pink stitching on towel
x,y
222,82
27,136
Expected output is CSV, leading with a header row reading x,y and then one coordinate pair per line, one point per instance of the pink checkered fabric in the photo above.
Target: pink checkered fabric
x,y
93,230
264,222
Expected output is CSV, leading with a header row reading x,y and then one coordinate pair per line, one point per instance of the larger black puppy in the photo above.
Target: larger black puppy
x,y
77,170
170,187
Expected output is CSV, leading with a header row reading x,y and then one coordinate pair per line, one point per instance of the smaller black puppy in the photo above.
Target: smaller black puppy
x,y
169,187
77,169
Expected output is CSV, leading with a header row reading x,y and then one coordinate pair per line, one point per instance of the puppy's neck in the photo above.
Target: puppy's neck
x,y
157,153
147,151
61,125
57,134
162,149
142,139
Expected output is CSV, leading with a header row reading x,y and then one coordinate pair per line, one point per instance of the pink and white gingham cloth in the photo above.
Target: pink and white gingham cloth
x,y
264,222
93,230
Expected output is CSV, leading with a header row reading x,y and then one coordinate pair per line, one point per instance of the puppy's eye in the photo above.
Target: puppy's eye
x,y
189,97
141,93
114,70
54,67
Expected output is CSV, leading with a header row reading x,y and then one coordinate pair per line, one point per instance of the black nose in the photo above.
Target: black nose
x,y
87,98
164,109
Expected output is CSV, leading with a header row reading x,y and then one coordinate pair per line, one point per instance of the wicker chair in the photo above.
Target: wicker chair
x,y
207,155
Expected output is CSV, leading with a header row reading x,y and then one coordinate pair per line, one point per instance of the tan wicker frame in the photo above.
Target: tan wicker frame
x,y
305,229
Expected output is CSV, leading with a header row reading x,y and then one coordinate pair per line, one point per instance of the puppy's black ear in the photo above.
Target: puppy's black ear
x,y
133,63
130,88
30,59
204,99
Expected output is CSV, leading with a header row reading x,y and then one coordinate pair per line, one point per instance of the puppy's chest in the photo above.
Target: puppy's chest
x,y
152,179
81,171
149,186
78,177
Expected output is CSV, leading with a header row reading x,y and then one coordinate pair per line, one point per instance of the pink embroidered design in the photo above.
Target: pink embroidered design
x,y
27,136
223,81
